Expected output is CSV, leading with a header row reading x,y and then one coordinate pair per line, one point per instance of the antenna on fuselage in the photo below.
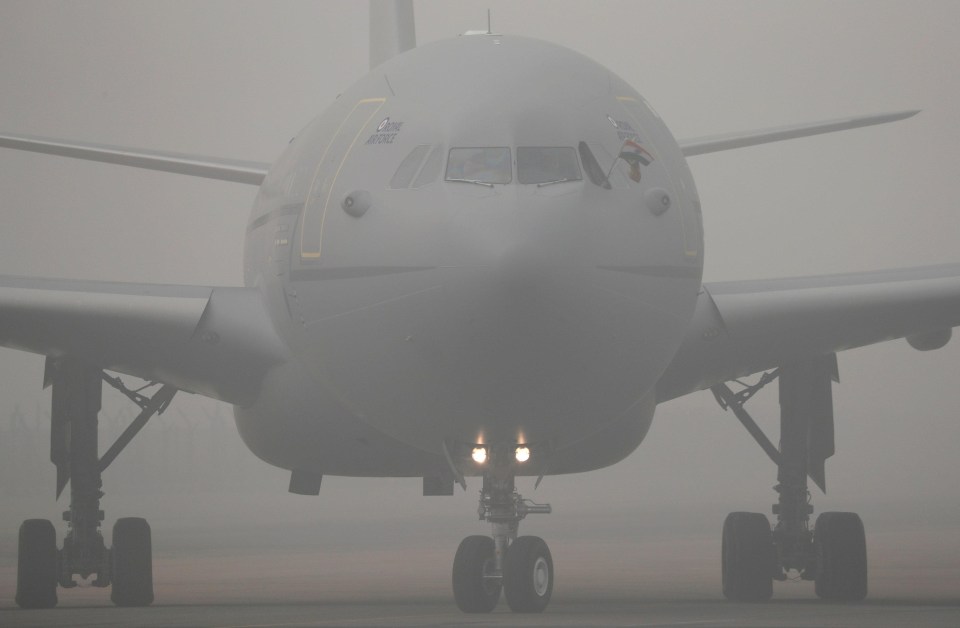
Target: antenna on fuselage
x,y
489,30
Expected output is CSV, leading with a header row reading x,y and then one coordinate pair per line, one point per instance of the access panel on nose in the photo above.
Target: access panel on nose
x,y
319,195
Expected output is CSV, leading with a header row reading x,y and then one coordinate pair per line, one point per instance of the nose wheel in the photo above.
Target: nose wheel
x,y
476,584
528,575
521,567
526,579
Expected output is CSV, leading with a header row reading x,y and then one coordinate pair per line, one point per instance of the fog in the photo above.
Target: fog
x,y
239,79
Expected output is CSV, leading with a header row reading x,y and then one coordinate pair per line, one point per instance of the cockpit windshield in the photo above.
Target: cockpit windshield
x,y
549,164
484,166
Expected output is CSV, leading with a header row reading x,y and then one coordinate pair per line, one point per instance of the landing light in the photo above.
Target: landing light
x,y
522,453
479,455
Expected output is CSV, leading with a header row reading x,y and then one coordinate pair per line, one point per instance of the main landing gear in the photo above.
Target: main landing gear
x,y
127,566
519,566
833,554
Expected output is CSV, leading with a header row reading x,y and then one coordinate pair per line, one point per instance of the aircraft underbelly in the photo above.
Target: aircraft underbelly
x,y
469,355
296,424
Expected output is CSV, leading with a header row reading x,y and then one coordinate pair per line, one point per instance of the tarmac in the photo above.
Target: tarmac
x,y
426,612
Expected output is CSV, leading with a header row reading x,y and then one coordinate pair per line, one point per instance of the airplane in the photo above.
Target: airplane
x,y
451,345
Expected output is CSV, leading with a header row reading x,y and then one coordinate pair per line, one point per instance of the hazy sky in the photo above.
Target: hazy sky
x,y
239,79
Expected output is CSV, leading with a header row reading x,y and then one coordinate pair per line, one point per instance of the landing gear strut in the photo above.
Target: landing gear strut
x,y
833,553
520,566
77,393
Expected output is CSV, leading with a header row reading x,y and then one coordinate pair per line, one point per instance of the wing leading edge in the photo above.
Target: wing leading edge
x,y
218,342
249,172
744,327
714,143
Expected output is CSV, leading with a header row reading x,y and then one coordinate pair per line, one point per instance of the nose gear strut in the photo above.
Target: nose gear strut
x,y
520,566
505,508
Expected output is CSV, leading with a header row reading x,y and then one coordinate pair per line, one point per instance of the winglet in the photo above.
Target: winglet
x,y
714,143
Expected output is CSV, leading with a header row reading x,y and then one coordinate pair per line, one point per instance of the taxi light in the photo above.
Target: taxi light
x,y
522,453
479,454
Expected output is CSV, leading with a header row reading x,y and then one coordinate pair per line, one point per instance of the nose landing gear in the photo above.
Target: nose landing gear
x,y
520,566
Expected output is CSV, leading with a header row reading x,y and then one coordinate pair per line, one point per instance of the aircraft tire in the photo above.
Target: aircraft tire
x,y
528,575
472,591
841,549
748,557
37,565
132,560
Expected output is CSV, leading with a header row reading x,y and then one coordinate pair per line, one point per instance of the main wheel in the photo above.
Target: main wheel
x,y
473,588
37,565
132,559
841,548
749,557
528,575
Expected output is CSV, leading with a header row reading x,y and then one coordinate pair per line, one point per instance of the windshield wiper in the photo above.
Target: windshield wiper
x,y
563,180
473,181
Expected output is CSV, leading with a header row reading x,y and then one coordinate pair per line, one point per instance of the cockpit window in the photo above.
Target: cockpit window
x,y
485,166
547,164
594,171
408,167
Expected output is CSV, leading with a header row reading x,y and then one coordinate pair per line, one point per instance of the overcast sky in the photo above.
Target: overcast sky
x,y
239,79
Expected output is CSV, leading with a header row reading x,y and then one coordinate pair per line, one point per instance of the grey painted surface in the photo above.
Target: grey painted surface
x,y
744,327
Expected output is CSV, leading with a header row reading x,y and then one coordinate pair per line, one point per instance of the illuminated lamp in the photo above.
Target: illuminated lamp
x,y
479,454
522,453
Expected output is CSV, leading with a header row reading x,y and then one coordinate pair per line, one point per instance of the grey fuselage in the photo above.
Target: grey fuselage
x,y
424,314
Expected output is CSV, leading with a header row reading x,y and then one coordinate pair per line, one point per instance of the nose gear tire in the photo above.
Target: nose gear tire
x,y
473,589
528,575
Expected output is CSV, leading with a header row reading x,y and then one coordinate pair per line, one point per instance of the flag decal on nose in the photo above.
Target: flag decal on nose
x,y
632,152
635,155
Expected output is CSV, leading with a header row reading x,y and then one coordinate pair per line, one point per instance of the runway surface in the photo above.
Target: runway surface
x,y
439,613
367,575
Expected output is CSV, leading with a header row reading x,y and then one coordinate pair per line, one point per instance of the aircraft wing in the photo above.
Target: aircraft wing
x,y
714,143
249,172
745,327
218,342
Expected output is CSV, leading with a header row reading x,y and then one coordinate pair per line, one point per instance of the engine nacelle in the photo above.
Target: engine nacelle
x,y
930,340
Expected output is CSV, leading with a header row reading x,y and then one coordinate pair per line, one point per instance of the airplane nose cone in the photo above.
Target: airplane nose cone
x,y
514,320
526,246
520,268
527,272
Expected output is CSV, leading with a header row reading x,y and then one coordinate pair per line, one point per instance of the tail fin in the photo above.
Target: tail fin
x,y
391,29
